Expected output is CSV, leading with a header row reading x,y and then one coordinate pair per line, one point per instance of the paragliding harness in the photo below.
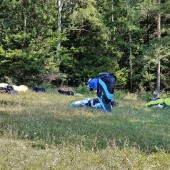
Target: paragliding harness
x,y
159,103
105,83
9,89
38,89
91,103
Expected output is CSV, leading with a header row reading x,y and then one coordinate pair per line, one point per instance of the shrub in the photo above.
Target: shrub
x,y
120,94
83,89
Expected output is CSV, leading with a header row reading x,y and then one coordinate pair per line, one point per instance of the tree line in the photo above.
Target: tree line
x,y
76,39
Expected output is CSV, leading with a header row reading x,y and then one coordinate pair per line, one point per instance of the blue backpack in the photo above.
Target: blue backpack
x,y
104,83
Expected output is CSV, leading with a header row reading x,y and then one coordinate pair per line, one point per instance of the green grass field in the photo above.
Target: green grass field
x,y
41,131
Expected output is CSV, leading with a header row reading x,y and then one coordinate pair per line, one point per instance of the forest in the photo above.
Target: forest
x,y
70,41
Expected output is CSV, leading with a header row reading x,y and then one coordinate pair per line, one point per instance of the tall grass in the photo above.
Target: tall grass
x,y
41,131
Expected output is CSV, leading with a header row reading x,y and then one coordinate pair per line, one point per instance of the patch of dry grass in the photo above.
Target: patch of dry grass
x,y
17,154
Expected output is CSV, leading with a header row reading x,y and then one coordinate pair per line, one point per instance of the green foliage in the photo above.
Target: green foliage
x,y
87,52
122,76
119,94
145,96
158,50
21,68
95,36
29,38
83,89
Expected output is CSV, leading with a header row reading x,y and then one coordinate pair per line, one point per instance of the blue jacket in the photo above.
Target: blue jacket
x,y
92,83
104,83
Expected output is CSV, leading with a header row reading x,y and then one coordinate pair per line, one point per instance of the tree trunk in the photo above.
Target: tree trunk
x,y
159,36
25,23
130,60
60,4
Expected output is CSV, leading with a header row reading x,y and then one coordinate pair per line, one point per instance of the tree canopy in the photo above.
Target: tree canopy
x,y
80,38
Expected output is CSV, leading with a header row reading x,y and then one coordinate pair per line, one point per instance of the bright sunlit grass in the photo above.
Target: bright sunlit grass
x,y
41,131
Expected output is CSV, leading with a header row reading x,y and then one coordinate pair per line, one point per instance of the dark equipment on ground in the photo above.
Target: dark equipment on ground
x,y
8,89
70,93
38,89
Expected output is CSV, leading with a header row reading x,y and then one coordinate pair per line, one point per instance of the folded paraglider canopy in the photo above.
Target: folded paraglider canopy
x,y
12,89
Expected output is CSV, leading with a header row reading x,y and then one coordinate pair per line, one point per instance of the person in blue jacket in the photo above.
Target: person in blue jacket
x,y
92,83
104,85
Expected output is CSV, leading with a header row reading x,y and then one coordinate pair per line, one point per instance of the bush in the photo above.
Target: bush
x,y
120,94
83,89
145,96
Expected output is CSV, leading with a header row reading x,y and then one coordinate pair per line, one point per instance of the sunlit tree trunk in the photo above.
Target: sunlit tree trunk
x,y
130,49
60,4
112,14
159,36
25,23
130,60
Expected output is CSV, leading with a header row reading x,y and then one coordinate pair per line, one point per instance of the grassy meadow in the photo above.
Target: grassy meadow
x,y
41,131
